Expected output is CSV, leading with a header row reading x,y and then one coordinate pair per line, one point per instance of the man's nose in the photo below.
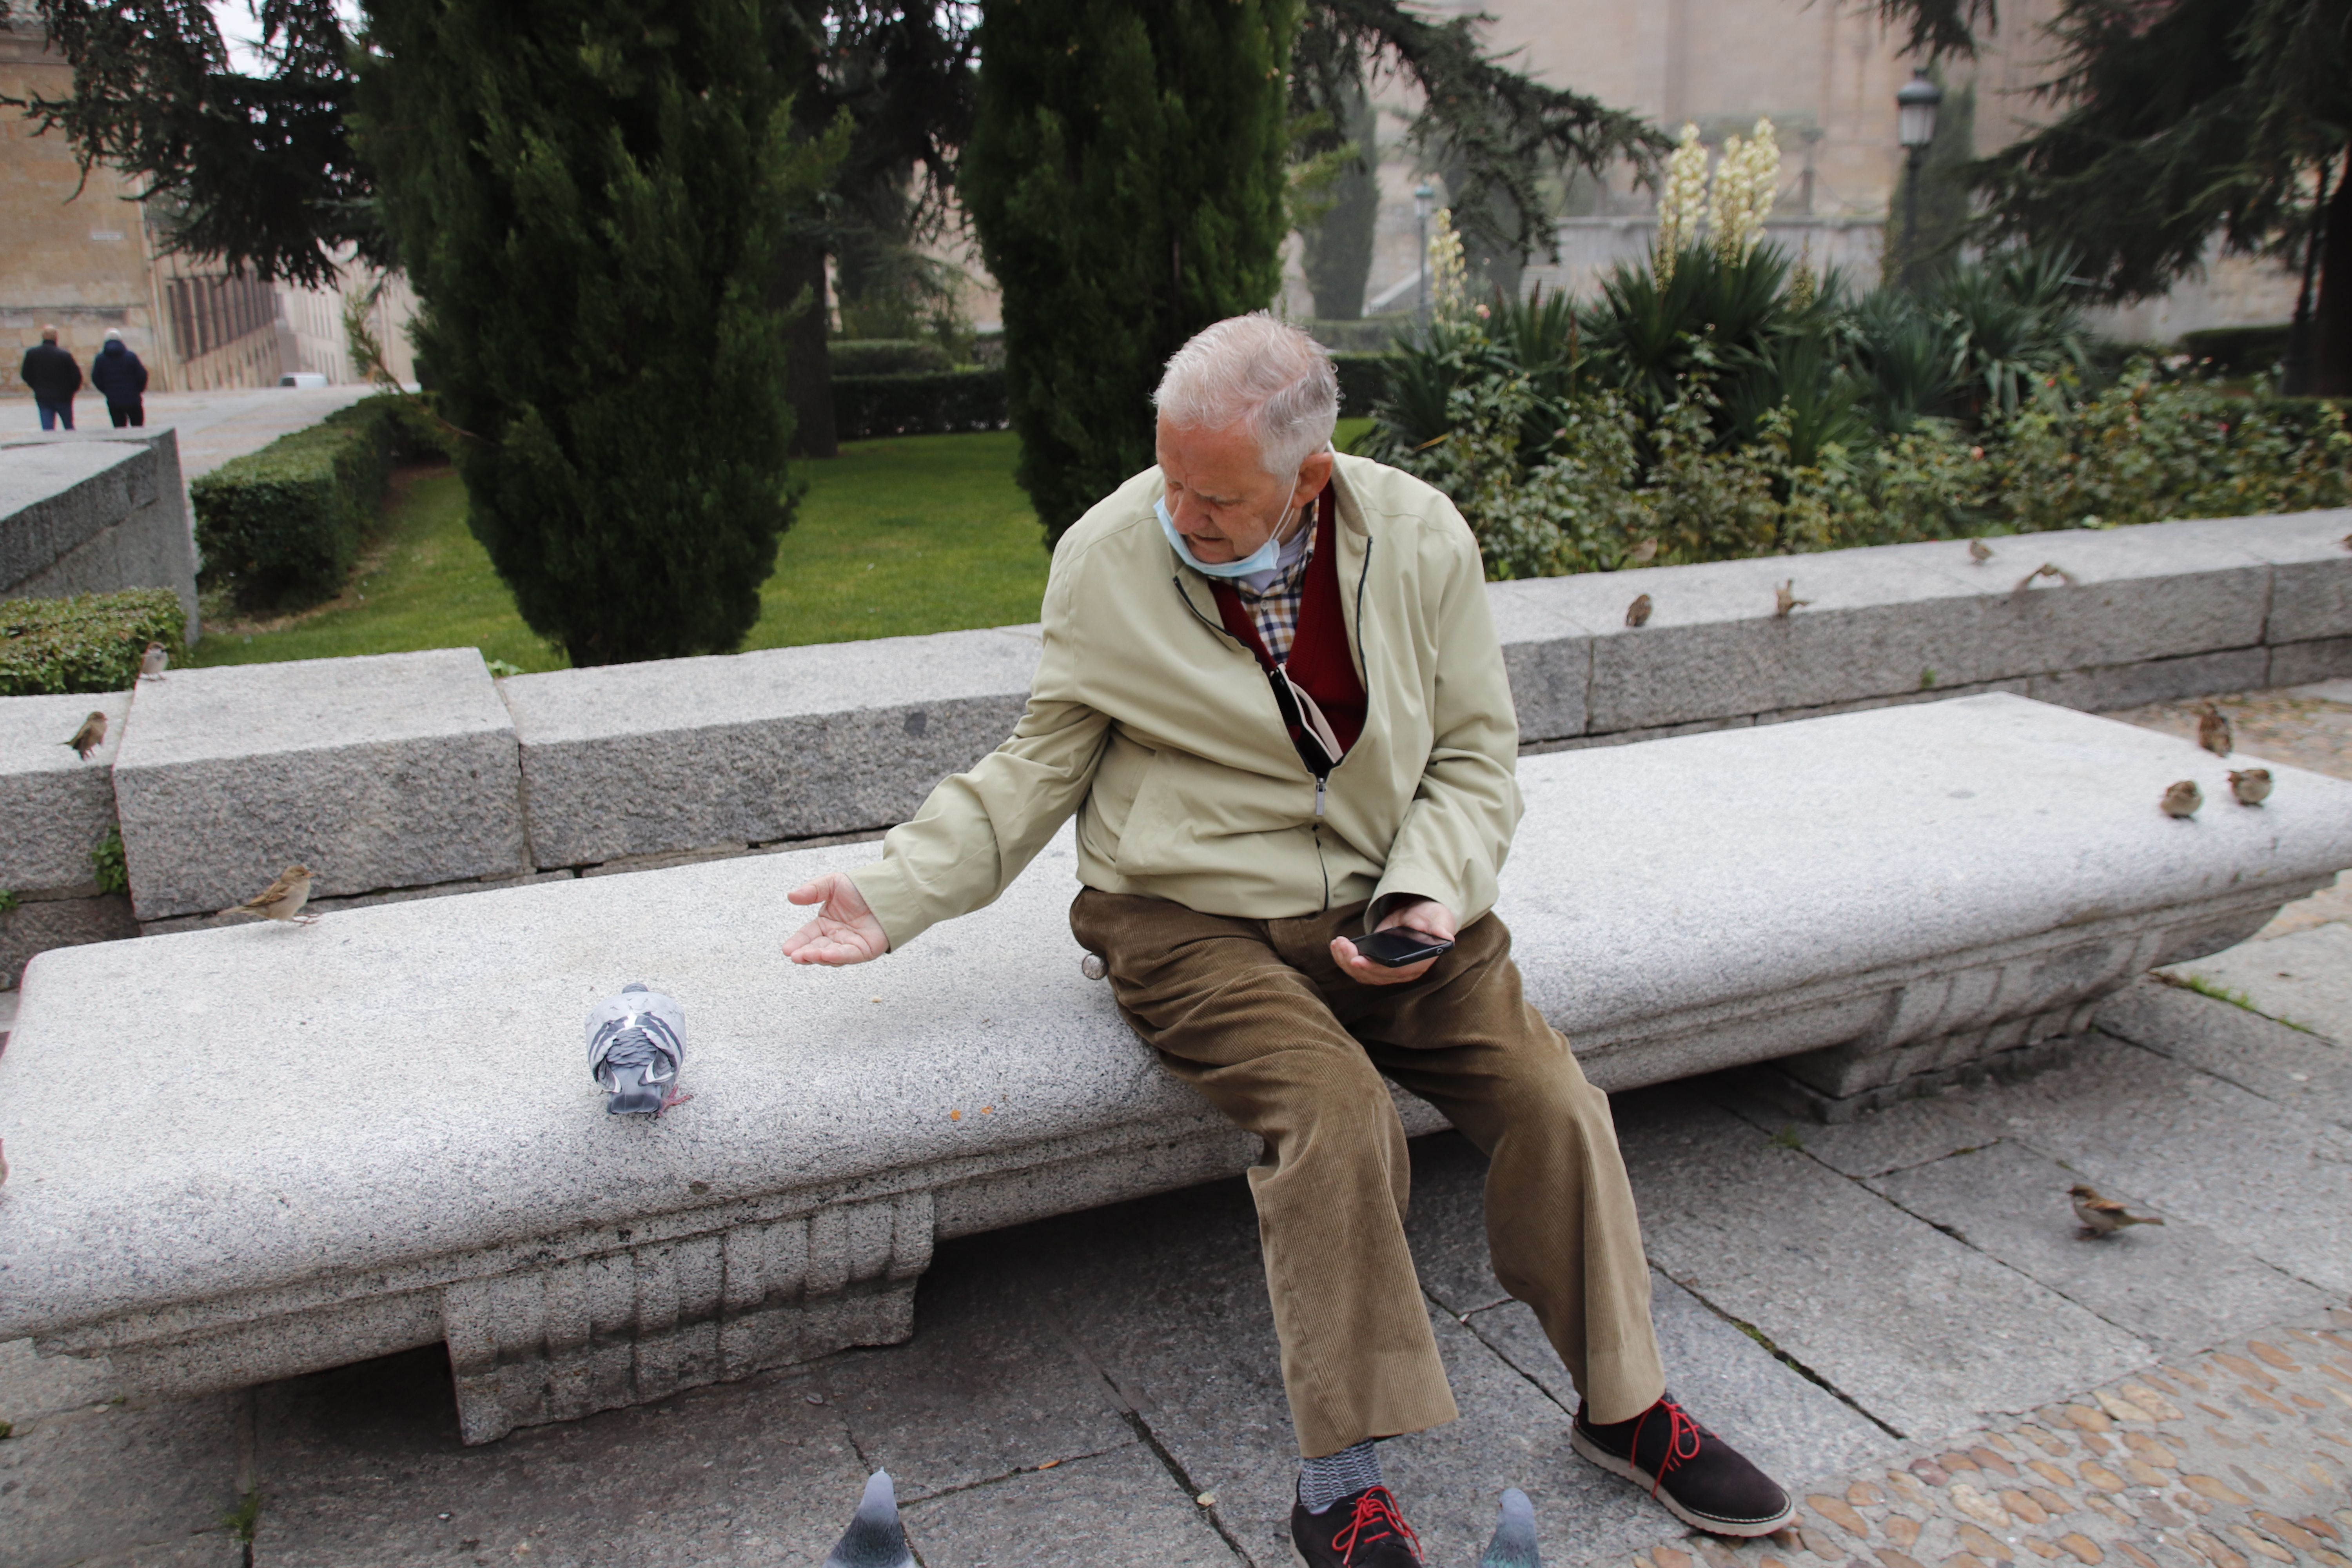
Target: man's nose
x,y
1191,516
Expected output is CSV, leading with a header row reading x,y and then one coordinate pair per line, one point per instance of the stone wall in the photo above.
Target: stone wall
x,y
406,775
93,515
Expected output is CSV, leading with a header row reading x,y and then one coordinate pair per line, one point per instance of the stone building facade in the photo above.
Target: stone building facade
x,y
86,256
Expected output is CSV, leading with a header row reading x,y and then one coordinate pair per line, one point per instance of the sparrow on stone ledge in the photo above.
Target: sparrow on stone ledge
x,y
1784,599
282,900
2214,729
2103,1216
1979,551
1637,614
155,662
2183,799
89,737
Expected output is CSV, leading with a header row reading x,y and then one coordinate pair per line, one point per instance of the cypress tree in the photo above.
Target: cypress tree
x,y
1126,175
590,198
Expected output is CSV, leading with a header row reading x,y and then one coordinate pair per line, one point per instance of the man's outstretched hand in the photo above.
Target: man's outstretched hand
x,y
1428,917
844,929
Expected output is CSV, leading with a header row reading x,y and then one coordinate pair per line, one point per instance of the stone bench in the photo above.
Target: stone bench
x,y
246,1152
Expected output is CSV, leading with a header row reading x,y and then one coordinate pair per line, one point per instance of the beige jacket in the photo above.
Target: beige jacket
x,y
1159,730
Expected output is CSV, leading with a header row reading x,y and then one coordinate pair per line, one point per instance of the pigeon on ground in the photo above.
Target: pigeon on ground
x,y
875,1538
2103,1216
2214,729
89,737
2251,785
282,900
1513,1545
2183,799
155,660
1638,612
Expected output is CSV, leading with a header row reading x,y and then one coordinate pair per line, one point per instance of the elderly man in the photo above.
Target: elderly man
x,y
1272,695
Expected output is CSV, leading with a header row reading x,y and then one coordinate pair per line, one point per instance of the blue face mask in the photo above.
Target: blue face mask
x,y
1265,558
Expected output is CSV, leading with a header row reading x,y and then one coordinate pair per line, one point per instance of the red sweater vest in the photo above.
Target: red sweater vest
x,y
1320,661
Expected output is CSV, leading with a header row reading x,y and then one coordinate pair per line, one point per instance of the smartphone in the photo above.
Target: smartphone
x,y
1399,946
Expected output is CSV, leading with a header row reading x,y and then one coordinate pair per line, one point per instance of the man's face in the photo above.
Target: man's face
x,y
1224,502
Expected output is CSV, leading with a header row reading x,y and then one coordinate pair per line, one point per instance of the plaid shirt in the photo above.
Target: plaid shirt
x,y
1276,610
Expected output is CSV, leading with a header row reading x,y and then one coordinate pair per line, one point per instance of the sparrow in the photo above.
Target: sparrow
x,y
875,1538
282,900
155,660
2047,569
1784,599
1979,551
1637,614
2251,785
1513,1545
1647,552
2183,799
2212,730
89,737
2103,1216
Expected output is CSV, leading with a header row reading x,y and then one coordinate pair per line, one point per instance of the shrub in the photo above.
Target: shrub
x,y
89,643
885,356
284,524
936,403
590,199
1127,193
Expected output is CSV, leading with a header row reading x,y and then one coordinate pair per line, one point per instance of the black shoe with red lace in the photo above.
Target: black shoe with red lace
x,y
1702,1480
1363,1530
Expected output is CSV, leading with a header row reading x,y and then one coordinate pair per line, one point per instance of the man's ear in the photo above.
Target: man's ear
x,y
1313,475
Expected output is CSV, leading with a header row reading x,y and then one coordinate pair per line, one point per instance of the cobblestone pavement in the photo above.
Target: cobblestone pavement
x,y
2234,1459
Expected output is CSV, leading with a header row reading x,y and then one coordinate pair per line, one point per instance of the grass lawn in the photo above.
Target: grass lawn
x,y
919,533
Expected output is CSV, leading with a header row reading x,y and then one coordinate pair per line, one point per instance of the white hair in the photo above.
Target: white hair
x,y
1259,372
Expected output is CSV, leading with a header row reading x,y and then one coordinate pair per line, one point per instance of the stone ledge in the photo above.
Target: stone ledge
x,y
684,754
58,806
95,513
1888,896
380,772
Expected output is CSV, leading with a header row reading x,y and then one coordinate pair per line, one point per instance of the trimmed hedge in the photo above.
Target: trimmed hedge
x,y
91,642
885,356
938,403
284,524
2238,350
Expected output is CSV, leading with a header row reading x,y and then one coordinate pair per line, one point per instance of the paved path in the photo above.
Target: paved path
x,y
213,426
1870,1309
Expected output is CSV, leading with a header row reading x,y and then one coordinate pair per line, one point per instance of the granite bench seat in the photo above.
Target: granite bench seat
x,y
246,1152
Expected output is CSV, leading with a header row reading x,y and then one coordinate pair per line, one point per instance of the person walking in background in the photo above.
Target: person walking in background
x,y
121,379
54,377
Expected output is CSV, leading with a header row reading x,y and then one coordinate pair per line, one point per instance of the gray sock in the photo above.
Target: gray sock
x,y
1323,1481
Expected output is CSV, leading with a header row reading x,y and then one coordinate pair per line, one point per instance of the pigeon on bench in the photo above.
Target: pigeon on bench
x,y
1513,1545
875,1538
636,1046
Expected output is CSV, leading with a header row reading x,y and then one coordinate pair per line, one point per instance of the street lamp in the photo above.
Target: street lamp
x,y
1915,127
1425,202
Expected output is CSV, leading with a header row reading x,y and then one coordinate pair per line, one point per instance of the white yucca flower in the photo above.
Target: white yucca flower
x,y
1449,275
1682,202
1745,182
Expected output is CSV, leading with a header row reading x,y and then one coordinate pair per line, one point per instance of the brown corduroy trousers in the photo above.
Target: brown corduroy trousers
x,y
1256,1016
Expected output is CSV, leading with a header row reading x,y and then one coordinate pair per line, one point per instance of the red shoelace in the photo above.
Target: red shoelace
x,y
1679,1427
1376,1507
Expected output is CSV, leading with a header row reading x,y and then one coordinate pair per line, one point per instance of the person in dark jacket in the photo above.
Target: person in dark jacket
x,y
121,379
54,377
